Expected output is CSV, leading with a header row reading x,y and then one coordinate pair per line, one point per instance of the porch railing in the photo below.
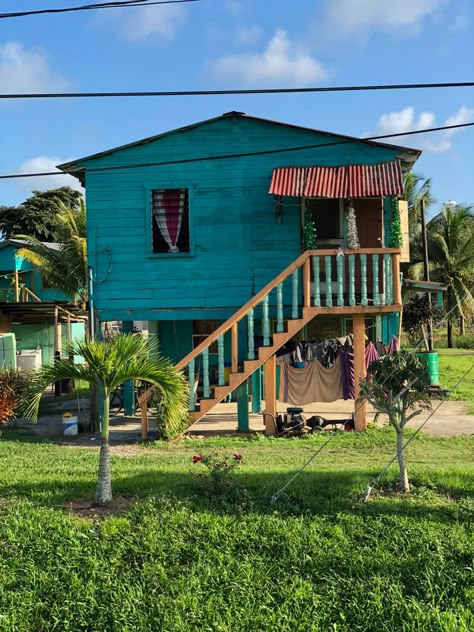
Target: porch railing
x,y
356,280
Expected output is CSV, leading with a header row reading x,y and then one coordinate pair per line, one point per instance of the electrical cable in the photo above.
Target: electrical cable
x,y
241,91
88,7
368,490
263,152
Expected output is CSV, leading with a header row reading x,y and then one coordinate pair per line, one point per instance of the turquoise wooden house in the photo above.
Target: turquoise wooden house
x,y
203,232
38,316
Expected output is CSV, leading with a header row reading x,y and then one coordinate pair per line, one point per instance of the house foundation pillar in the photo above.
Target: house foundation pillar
x,y
257,390
359,371
128,387
243,418
270,395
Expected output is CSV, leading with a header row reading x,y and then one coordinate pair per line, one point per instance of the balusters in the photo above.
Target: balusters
x,y
388,279
352,300
294,309
205,372
251,335
279,326
375,274
191,378
266,323
317,287
340,279
363,274
327,261
220,360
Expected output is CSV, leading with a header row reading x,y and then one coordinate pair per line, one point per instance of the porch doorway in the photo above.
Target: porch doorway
x,y
327,214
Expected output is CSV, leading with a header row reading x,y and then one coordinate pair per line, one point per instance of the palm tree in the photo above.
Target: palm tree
x,y
109,364
63,268
451,252
417,194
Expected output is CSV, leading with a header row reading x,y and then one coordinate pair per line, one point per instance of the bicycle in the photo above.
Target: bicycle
x,y
117,397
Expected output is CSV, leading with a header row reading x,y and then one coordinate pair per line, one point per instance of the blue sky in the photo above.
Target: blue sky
x,y
215,44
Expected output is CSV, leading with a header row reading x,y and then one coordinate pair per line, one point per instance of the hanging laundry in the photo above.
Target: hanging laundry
x,y
347,374
315,383
393,346
371,355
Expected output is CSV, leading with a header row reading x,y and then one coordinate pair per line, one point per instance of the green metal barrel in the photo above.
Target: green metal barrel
x,y
431,358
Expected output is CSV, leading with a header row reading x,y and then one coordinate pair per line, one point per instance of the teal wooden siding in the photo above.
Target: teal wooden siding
x,y
8,263
238,246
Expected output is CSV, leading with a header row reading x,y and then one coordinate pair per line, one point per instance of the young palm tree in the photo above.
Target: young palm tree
x,y
63,268
108,364
451,252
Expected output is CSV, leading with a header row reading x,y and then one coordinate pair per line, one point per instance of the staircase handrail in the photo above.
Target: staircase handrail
x,y
257,298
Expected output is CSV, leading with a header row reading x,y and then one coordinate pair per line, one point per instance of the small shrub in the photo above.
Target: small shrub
x,y
220,479
465,341
12,390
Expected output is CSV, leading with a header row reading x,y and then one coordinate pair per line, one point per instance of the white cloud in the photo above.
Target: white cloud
x,y
282,61
27,70
41,164
351,16
247,35
158,21
407,119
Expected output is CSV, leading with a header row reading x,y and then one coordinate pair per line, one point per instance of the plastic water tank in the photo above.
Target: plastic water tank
x,y
29,359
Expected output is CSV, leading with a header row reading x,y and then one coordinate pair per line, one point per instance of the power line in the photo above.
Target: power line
x,y
88,7
206,93
241,155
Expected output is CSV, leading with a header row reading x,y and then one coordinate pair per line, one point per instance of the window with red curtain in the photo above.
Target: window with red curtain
x,y
170,220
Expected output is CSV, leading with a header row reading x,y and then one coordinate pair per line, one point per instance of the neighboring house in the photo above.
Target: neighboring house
x,y
29,309
187,227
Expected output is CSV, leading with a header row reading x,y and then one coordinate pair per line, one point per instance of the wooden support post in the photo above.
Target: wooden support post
x,y
128,387
397,293
359,370
235,348
57,347
307,283
270,394
16,286
243,418
144,421
257,390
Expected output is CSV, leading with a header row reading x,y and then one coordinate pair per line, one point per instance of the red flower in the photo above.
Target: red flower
x,y
238,457
196,459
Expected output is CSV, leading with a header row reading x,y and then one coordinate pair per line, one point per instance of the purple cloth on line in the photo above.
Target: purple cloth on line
x,y
347,374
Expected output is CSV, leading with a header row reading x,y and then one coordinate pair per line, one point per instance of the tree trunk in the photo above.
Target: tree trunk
x,y
450,334
405,485
104,480
462,328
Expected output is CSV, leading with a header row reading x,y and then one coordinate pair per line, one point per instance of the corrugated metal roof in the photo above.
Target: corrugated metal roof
x,y
347,181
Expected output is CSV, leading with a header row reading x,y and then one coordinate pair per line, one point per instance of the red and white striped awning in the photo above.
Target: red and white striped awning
x,y
347,181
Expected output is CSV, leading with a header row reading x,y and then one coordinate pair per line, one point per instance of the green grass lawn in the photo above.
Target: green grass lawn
x,y
451,370
181,560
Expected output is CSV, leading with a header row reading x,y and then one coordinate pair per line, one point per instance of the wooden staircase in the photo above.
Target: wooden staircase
x,y
264,353
308,301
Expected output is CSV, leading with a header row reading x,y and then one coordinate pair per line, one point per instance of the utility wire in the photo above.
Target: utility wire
x,y
88,7
206,93
369,488
241,155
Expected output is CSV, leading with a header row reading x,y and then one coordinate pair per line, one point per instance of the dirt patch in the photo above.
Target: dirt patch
x,y
89,510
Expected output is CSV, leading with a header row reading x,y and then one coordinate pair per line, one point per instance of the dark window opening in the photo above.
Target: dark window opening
x,y
202,329
170,220
326,216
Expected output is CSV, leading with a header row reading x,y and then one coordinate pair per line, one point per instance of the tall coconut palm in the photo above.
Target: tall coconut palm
x,y
451,253
108,364
65,267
